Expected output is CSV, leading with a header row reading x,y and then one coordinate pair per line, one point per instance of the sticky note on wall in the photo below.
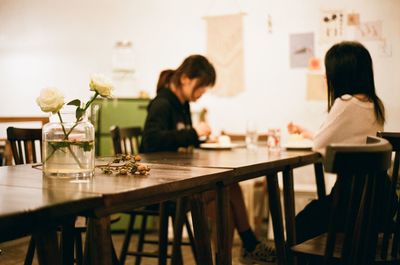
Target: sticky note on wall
x,y
316,87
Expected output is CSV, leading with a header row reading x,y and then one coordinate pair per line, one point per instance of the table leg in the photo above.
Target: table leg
x,y
67,241
224,251
320,180
47,245
201,234
276,215
288,196
98,242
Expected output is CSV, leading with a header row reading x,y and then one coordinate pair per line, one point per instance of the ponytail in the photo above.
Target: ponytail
x,y
164,79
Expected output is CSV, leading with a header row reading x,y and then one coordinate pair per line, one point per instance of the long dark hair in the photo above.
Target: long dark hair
x,y
349,71
194,66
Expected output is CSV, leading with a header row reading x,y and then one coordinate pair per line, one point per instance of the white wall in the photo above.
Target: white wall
x,y
60,43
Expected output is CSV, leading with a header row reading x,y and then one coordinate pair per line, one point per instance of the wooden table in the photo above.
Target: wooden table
x,y
247,164
175,175
124,193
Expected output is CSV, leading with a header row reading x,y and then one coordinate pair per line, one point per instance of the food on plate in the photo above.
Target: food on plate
x,y
295,137
224,140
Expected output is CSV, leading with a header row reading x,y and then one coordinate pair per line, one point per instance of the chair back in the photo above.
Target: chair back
x,y
125,140
23,146
394,250
358,199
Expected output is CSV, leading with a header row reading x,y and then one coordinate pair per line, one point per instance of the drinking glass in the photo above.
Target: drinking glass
x,y
274,140
251,135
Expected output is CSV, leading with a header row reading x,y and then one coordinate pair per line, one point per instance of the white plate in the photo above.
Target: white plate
x,y
217,146
299,145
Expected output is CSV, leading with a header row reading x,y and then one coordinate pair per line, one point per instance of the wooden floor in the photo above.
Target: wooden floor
x,y
13,252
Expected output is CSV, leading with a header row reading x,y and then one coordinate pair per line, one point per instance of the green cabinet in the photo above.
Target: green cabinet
x,y
123,112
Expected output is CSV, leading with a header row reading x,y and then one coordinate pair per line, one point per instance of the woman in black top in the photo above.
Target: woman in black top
x,y
168,124
168,127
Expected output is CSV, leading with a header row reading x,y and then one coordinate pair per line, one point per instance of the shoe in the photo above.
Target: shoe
x,y
262,254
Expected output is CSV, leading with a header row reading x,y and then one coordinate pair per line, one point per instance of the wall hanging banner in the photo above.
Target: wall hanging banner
x,y
225,51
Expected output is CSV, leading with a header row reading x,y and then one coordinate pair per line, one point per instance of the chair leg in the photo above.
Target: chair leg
x,y
30,253
163,232
127,239
177,219
191,238
142,234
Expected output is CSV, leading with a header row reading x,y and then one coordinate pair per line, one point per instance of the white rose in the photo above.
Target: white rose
x,y
101,85
50,100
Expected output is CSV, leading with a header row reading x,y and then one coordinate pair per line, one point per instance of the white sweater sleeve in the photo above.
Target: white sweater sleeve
x,y
333,128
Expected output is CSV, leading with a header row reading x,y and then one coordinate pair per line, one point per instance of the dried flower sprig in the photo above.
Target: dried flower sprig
x,y
126,164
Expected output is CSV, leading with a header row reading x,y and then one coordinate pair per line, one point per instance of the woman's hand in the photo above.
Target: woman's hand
x,y
294,128
202,129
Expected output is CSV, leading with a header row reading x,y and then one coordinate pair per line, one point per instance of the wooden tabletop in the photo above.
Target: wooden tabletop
x,y
121,192
246,163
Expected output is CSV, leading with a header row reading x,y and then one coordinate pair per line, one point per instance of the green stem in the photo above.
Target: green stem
x,y
75,157
62,125
51,154
78,120
91,100
66,139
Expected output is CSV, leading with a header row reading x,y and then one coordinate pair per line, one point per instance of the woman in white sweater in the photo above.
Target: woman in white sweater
x,y
354,112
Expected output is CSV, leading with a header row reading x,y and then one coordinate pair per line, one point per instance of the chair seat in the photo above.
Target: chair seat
x,y
316,247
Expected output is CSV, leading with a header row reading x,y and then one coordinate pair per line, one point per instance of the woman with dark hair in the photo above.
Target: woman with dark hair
x,y
168,127
354,112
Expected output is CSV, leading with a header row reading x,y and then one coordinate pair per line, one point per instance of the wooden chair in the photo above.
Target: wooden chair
x,y
18,122
126,141
361,208
394,140
23,145
23,148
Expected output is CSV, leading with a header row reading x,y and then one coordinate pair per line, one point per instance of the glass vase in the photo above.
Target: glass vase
x,y
68,148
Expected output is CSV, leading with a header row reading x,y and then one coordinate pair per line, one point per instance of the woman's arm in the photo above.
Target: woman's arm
x,y
158,134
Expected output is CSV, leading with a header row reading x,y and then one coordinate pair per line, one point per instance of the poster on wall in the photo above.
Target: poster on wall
x,y
369,31
301,49
316,87
331,24
225,51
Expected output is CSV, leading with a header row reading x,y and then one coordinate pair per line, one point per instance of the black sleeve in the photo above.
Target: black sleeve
x,y
159,132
